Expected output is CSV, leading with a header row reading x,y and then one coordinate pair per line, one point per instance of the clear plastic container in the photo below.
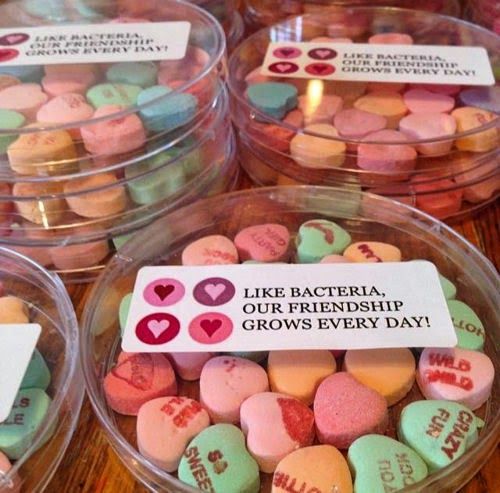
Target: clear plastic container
x,y
49,306
365,217
441,166
261,13
82,117
484,12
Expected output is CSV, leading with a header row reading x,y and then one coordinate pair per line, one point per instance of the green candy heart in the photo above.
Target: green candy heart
x,y
28,413
120,94
256,356
123,311
275,99
37,374
318,238
217,460
381,464
468,327
138,73
439,431
9,120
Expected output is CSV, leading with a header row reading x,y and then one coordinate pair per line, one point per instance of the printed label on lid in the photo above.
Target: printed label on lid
x,y
94,43
17,343
287,306
466,65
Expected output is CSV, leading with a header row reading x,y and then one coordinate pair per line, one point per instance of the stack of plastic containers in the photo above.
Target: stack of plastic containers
x,y
447,174
93,152
37,432
417,235
261,13
484,12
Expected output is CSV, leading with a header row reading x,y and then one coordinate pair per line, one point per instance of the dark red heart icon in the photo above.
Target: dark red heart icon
x,y
322,53
320,69
287,52
163,290
13,39
7,54
283,67
210,327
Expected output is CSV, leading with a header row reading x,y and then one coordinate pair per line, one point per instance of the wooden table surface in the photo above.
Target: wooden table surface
x,y
90,464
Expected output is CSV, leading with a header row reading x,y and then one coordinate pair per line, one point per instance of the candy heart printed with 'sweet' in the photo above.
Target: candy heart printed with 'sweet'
x,y
439,431
381,464
275,99
217,460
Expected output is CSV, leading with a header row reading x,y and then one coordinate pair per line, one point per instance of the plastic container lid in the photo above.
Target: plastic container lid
x,y
365,217
49,305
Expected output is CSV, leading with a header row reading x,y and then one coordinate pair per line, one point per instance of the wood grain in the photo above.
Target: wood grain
x,y
90,466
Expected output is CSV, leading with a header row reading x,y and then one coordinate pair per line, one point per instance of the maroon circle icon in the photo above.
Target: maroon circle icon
x,y
13,39
214,291
157,328
322,53
283,67
319,69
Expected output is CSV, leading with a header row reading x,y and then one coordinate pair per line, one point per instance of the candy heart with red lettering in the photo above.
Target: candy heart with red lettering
x,y
456,374
165,426
275,425
439,431
137,378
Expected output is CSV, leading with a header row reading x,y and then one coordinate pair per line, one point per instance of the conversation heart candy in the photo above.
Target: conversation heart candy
x,y
345,409
422,101
469,118
334,259
388,104
320,468
318,238
322,111
137,378
165,426
391,39
23,98
381,464
8,80
13,310
440,198
318,147
218,461
389,371
108,198
390,157
275,99
372,251
137,73
263,242
171,110
468,326
486,98
210,250
37,374
275,425
113,135
425,126
455,374
113,94
299,373
356,124
189,365
27,415
439,431
5,467
58,83
225,382
123,311
27,73
9,120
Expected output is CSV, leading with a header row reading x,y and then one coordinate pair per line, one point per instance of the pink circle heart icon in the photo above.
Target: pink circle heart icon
x,y
164,292
283,67
287,52
210,328
157,328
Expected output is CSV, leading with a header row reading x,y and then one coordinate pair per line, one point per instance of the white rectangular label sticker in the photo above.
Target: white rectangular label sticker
x,y
293,306
94,43
17,343
425,64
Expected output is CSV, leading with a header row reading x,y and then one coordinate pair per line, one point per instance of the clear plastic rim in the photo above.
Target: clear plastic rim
x,y
285,26
219,52
462,250
70,369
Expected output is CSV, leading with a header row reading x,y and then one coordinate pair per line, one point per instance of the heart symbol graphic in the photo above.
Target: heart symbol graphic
x,y
7,54
283,67
158,327
215,290
320,69
13,39
210,327
163,290
323,53
287,52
